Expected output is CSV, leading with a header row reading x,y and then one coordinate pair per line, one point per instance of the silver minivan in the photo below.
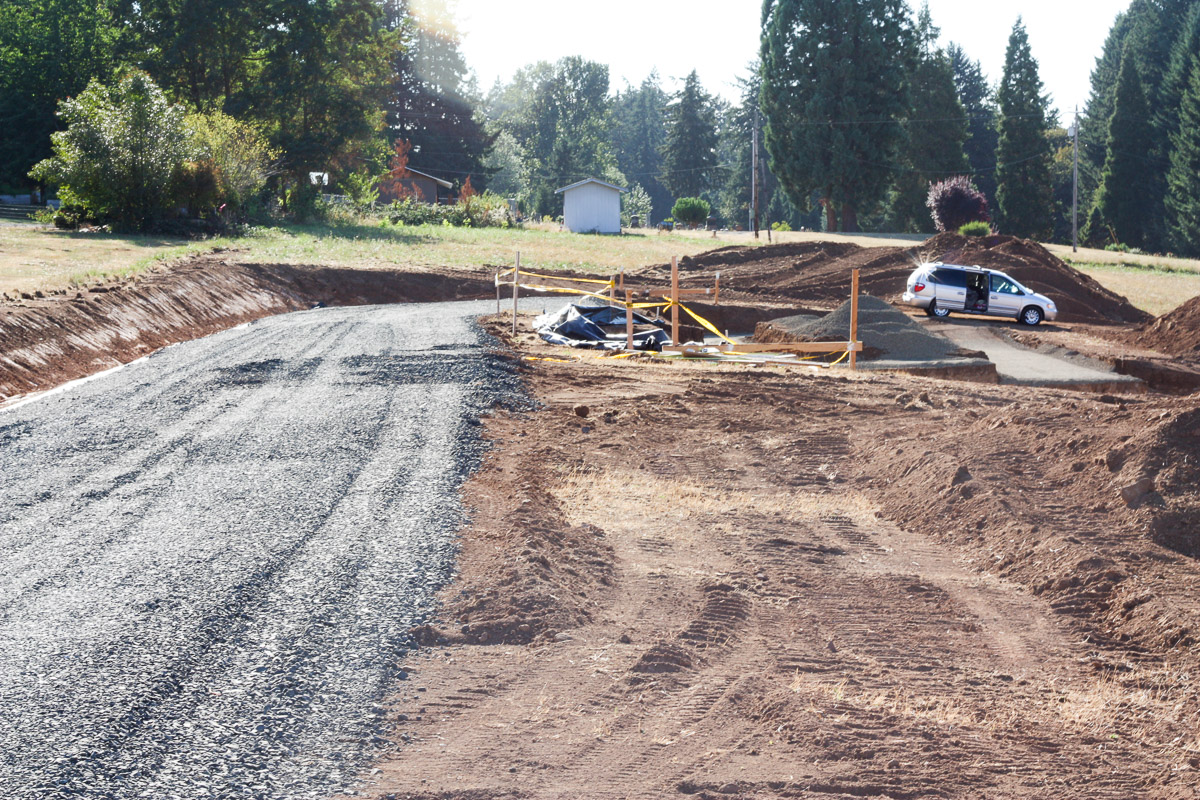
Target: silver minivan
x,y
944,288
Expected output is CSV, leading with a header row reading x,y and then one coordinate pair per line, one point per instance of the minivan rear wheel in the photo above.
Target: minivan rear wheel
x,y
1031,316
935,310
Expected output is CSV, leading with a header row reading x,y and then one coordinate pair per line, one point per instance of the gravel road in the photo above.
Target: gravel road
x,y
1022,365
212,557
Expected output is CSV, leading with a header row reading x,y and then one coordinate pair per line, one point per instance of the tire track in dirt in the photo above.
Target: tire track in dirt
x,y
764,633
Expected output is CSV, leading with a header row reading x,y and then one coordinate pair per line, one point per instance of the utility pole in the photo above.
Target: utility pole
x,y
754,173
1075,186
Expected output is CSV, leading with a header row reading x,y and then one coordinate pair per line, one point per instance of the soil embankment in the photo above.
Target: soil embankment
x,y
48,341
818,273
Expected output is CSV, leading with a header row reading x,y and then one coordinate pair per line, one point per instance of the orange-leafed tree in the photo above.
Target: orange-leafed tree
x,y
394,182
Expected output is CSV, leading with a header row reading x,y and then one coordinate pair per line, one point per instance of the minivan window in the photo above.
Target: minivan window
x,y
1004,286
950,277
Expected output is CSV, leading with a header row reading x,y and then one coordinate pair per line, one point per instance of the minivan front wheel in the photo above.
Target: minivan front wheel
x,y
935,310
1031,316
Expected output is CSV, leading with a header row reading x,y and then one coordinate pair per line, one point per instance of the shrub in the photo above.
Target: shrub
x,y
975,229
954,202
1117,247
476,211
362,188
691,211
236,156
781,226
121,156
636,203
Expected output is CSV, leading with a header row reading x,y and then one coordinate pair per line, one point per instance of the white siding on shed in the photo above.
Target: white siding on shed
x,y
592,207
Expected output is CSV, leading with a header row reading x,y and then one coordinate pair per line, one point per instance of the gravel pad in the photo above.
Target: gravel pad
x,y
213,556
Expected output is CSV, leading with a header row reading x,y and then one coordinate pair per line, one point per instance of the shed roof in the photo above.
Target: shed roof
x,y
438,181
589,180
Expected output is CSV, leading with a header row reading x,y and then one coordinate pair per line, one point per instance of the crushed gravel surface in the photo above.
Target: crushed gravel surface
x,y
213,557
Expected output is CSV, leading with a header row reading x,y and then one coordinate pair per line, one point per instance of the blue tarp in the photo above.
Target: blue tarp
x,y
584,326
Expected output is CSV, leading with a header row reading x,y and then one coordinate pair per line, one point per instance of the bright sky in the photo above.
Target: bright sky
x,y
718,40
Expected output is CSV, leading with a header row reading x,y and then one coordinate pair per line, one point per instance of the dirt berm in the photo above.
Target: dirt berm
x,y
48,341
1177,333
818,273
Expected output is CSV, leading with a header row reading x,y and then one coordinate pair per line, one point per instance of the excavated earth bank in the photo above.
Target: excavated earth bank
x,y
48,341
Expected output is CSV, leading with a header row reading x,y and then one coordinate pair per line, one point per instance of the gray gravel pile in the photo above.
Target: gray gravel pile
x,y
212,557
884,330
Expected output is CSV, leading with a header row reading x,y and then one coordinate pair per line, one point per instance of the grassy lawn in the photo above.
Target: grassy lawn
x,y
38,257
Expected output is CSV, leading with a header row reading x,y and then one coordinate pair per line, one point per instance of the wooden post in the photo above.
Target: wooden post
x,y
516,287
854,317
628,320
612,292
717,291
674,300
497,293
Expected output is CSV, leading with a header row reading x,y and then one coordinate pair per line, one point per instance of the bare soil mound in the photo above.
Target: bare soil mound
x,y
48,341
885,331
818,273
1176,333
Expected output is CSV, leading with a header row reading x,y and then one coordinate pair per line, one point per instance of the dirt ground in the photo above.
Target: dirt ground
x,y
721,581
757,582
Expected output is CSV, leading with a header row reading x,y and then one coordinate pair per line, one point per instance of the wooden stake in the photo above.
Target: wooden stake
x,y
717,290
516,285
854,317
674,300
628,320
497,293
612,292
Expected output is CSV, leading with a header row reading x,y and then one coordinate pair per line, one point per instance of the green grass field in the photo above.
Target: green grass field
x,y
34,257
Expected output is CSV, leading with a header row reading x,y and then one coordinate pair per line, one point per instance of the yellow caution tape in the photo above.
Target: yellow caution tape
x,y
707,324
620,355
555,360
609,282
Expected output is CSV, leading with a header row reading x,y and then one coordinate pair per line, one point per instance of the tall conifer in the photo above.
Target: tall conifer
x,y
1122,199
1183,179
1024,154
690,151
834,91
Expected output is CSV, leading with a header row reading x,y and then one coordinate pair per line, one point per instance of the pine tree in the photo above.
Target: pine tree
x,y
1122,198
1023,155
638,136
1183,179
1093,125
936,130
980,107
833,93
690,151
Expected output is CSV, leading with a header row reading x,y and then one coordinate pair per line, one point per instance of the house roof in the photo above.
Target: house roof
x,y
589,180
438,181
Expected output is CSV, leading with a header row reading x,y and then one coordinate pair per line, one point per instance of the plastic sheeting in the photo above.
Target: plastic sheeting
x,y
585,326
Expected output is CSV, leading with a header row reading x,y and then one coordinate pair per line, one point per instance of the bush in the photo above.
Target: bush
x,y
1117,247
122,154
975,229
955,202
237,158
691,211
477,211
780,227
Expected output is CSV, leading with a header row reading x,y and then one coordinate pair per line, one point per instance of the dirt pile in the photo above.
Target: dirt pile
x,y
818,273
1176,333
885,332
48,341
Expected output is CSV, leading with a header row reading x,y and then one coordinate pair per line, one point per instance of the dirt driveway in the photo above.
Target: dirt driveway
x,y
695,590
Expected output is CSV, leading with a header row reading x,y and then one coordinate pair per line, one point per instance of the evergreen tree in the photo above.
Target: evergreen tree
x,y
980,108
936,130
1183,179
690,150
1023,154
833,93
638,136
431,102
1093,126
1122,199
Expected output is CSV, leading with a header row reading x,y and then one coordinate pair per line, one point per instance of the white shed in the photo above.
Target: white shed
x,y
592,206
